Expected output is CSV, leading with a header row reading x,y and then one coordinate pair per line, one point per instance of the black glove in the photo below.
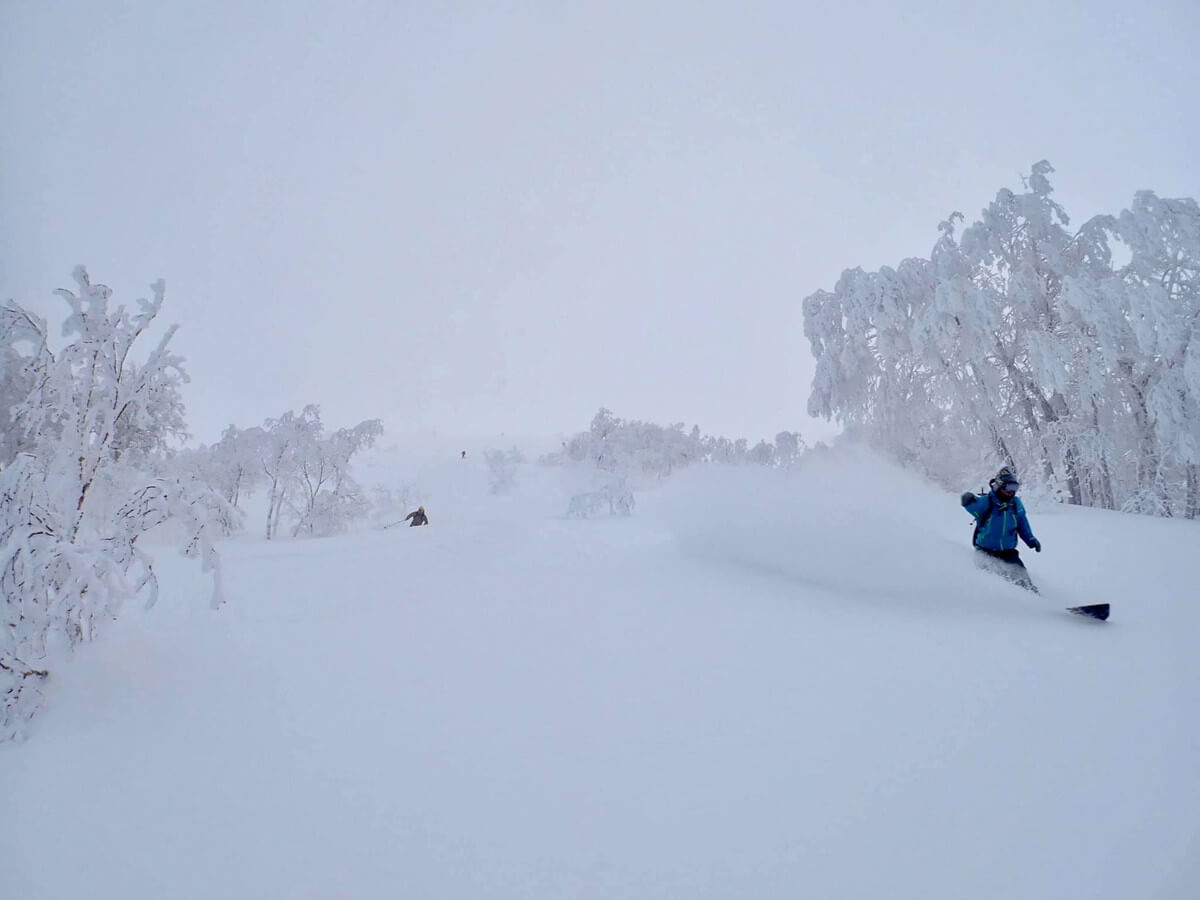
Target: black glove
x,y
968,498
1036,545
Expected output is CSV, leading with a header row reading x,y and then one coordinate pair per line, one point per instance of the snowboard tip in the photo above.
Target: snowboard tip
x,y
1098,611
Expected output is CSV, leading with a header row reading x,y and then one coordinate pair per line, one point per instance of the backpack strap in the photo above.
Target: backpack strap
x,y
982,520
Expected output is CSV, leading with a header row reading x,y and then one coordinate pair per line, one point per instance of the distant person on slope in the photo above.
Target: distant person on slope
x,y
999,519
418,517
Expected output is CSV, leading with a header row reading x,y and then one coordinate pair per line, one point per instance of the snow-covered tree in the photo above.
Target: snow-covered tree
x,y
502,469
1020,343
77,496
1161,366
306,471
16,381
327,498
623,456
789,447
286,439
234,462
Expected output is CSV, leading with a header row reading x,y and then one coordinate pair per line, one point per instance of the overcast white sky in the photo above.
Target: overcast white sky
x,y
497,217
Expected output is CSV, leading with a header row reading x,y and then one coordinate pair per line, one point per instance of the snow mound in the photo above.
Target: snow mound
x,y
849,524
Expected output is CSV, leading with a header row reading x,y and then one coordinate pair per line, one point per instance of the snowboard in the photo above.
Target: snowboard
x,y
1020,577
1097,611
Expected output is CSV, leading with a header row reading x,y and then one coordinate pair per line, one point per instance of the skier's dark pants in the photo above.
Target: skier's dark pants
x,y
1009,556
1007,564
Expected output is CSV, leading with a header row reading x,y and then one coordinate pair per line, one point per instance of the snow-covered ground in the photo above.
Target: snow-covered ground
x,y
761,685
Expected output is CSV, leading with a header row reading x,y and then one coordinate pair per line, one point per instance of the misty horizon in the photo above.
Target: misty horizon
x,y
475,221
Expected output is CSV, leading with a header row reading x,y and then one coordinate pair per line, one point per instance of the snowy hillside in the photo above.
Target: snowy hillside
x,y
763,684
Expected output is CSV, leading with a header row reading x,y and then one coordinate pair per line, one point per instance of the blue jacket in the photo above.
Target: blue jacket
x,y
1005,522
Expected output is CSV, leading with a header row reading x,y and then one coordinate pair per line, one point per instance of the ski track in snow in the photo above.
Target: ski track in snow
x,y
760,685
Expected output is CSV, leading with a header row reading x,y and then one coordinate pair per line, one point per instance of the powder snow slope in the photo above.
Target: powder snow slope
x,y
761,685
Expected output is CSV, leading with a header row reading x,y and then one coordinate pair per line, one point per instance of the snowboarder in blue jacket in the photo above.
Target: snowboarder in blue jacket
x,y
999,519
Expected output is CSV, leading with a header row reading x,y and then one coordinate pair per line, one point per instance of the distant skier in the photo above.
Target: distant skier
x,y
418,517
999,519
